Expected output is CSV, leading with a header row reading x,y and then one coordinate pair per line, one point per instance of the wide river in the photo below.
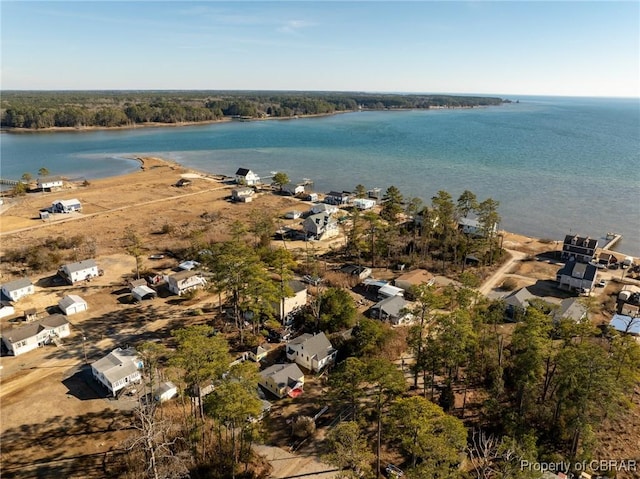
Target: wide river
x,y
556,165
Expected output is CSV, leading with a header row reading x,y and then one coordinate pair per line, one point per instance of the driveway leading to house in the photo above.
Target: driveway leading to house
x,y
498,277
288,465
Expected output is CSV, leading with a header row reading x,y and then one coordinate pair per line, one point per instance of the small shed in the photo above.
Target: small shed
x,y
293,215
72,304
165,392
143,292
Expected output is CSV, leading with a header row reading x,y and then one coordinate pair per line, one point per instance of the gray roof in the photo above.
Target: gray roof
x,y
31,329
17,284
142,291
118,364
520,298
179,276
314,345
48,179
69,300
579,270
282,374
297,286
80,265
391,306
571,308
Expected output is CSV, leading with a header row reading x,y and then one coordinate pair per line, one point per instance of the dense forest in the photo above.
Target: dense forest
x,y
77,109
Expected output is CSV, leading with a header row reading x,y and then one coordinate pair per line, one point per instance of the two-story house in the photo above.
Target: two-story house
x,y
312,352
577,276
246,177
320,226
184,281
578,248
79,271
291,304
118,369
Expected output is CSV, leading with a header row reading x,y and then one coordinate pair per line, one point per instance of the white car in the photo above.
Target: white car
x,y
393,471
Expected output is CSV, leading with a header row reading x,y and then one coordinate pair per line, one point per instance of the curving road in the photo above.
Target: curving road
x,y
497,278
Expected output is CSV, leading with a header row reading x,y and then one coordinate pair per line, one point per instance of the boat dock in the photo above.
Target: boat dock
x,y
611,240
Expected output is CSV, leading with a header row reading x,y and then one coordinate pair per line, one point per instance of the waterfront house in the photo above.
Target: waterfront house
x,y
282,380
337,198
392,309
242,195
34,335
49,182
323,208
80,271
72,304
473,227
312,352
575,276
578,248
66,206
118,369
246,177
289,305
19,288
320,226
292,189
364,203
184,281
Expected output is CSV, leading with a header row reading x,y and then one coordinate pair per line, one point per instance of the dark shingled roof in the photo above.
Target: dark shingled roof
x,y
242,171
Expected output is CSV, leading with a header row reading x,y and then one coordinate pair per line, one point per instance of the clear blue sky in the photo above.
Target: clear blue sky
x,y
549,48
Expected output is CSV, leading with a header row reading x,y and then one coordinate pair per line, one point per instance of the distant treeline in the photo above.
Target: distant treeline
x,y
46,109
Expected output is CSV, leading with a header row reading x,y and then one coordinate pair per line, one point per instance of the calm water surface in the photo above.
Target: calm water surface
x,y
556,165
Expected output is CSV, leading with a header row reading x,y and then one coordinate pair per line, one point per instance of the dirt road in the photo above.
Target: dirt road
x,y
497,277
286,464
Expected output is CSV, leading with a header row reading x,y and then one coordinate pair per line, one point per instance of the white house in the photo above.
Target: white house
x,y
312,352
293,303
14,290
320,226
66,206
80,271
242,195
292,189
34,335
49,182
392,309
247,177
184,281
165,392
577,276
6,309
72,304
118,369
473,227
364,203
260,352
282,380
323,208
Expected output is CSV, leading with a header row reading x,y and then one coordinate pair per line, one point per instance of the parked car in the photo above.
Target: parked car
x,y
602,283
312,280
156,256
393,471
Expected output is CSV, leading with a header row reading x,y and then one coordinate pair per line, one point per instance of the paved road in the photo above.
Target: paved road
x,y
498,277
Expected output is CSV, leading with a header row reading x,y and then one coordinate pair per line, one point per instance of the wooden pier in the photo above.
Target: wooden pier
x,y
5,181
611,240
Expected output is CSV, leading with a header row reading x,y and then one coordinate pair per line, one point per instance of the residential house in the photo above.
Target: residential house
x,y
382,289
570,308
578,248
242,195
49,182
184,281
337,198
313,197
282,380
118,369
392,309
6,309
66,206
364,203
260,352
14,290
474,227
577,276
247,177
626,324
165,392
290,305
312,352
134,283
414,278
292,189
607,259
81,271
323,208
34,335
516,303
72,304
320,226
355,271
